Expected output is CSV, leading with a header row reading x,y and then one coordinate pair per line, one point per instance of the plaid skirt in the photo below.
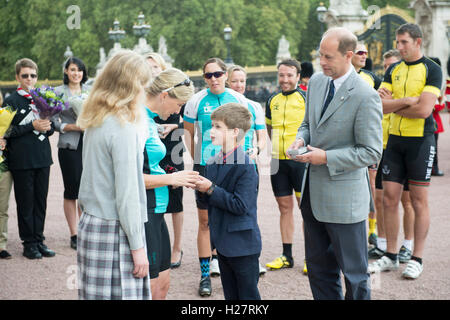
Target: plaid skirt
x,y
105,263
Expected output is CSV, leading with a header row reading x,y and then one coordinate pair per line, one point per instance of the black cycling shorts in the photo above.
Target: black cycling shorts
x,y
409,159
158,244
379,177
285,176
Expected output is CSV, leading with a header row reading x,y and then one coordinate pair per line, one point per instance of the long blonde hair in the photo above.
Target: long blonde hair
x,y
116,90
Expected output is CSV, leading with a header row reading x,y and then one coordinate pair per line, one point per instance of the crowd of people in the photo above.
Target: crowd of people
x,y
347,147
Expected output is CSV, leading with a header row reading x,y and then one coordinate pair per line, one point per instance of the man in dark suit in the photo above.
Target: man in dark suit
x,y
29,160
230,190
342,129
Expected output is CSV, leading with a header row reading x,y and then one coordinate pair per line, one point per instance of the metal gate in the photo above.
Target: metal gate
x,y
379,33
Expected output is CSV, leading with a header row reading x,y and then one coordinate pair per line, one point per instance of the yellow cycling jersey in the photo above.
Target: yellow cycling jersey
x,y
385,124
410,79
284,113
370,78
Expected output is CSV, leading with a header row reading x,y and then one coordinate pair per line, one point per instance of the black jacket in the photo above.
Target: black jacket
x,y
25,149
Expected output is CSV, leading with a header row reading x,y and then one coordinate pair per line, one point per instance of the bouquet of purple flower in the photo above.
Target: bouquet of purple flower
x,y
47,102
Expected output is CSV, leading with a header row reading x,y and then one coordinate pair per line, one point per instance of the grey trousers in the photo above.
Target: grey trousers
x,y
331,248
5,191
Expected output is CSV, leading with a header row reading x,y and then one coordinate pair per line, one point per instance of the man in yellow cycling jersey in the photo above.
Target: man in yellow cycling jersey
x,y
409,90
285,111
376,252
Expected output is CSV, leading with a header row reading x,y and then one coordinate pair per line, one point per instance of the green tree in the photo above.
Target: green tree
x,y
193,29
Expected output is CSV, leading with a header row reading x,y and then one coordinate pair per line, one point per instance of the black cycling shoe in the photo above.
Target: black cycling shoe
x,y
205,287
375,253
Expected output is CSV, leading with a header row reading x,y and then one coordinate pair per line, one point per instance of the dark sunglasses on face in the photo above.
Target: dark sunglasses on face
x,y
26,75
361,53
186,82
216,74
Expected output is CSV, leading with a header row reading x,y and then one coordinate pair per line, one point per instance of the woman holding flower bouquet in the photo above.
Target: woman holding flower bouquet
x,y
29,161
70,143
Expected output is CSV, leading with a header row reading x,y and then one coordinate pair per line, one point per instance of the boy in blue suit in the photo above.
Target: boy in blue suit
x,y
230,190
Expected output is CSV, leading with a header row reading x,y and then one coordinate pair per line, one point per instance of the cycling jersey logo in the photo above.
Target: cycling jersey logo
x,y
207,109
275,107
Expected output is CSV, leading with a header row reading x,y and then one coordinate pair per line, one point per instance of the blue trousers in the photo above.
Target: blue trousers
x,y
239,276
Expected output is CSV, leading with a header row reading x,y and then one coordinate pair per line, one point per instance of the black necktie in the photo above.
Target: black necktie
x,y
329,98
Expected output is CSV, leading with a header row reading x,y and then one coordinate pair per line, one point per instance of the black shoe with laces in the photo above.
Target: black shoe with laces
x,y
32,252
45,251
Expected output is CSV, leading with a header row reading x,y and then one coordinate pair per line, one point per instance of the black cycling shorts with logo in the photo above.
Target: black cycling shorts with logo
x,y
285,176
379,177
409,158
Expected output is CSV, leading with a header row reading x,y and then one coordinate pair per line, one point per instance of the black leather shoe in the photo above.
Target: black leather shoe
x,y
5,255
32,252
45,251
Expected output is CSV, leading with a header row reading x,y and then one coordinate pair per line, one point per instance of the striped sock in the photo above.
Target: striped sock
x,y
204,266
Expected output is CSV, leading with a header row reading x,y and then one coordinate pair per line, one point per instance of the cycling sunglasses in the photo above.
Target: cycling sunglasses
x,y
186,82
216,74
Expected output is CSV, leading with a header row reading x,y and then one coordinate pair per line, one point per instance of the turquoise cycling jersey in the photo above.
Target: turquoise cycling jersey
x,y
155,150
198,111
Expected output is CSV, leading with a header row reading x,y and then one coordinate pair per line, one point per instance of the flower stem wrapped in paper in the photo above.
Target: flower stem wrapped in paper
x,y
48,102
6,116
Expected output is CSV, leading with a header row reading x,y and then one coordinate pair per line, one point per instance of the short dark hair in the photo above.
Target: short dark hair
x,y
219,61
79,64
291,63
25,63
412,29
307,70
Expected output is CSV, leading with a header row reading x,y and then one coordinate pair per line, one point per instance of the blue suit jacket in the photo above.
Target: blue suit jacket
x,y
232,209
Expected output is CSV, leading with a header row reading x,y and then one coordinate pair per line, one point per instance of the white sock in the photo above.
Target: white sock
x,y
408,244
382,244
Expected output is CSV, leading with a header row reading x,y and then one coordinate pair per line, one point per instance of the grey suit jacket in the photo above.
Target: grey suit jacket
x,y
70,139
350,132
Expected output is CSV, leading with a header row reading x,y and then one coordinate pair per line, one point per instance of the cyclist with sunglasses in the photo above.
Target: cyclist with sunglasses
x,y
168,92
359,62
29,161
197,121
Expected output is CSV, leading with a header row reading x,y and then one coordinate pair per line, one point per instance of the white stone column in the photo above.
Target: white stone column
x,y
433,17
346,13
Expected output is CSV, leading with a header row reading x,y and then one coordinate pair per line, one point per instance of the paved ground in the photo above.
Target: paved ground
x,y
54,278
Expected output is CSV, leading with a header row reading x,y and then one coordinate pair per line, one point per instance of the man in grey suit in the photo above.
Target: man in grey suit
x,y
343,134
